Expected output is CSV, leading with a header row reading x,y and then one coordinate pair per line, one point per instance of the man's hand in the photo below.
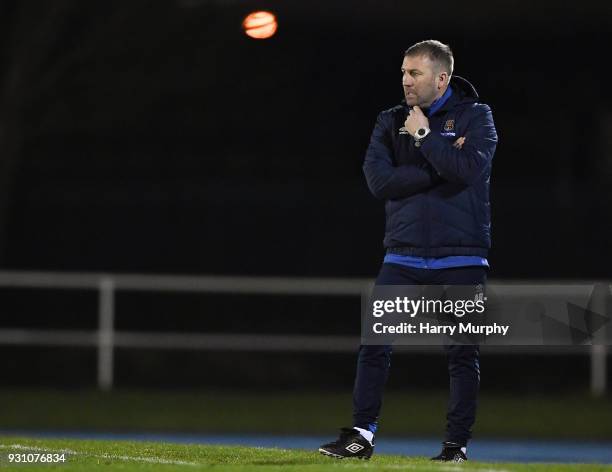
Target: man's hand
x,y
459,143
416,119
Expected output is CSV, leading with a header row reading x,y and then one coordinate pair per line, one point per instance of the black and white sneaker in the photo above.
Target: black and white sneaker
x,y
350,444
451,452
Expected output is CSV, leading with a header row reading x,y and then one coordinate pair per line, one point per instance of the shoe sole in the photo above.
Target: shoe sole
x,y
338,456
449,460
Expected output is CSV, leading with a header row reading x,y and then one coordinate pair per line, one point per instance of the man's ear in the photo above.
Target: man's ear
x,y
443,79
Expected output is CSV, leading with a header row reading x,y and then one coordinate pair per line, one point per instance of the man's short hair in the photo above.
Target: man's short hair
x,y
437,52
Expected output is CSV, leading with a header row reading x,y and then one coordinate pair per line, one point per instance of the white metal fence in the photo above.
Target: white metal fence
x,y
106,338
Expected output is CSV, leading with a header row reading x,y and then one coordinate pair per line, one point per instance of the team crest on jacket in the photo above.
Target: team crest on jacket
x,y
448,129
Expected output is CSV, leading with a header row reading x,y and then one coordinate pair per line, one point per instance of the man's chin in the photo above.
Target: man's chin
x,y
412,100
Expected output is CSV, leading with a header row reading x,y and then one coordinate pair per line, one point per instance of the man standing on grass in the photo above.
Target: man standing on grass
x,y
429,159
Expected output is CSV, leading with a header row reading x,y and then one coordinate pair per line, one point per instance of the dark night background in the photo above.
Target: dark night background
x,y
155,137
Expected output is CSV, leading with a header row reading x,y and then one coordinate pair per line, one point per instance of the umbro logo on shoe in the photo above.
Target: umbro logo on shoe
x,y
354,448
350,444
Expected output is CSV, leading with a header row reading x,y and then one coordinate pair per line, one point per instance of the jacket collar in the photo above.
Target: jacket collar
x,y
462,92
438,103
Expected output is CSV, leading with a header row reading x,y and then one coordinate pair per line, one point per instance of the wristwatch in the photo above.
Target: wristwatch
x,y
420,134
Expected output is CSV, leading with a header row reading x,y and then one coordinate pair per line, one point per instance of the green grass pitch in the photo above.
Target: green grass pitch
x,y
137,456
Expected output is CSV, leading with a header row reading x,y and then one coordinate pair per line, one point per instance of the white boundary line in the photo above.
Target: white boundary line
x,y
151,460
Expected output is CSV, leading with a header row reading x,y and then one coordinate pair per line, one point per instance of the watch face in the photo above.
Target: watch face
x,y
421,132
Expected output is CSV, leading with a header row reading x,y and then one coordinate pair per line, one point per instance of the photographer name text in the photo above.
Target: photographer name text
x,y
450,330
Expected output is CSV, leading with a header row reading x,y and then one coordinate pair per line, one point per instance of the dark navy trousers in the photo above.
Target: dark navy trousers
x,y
463,360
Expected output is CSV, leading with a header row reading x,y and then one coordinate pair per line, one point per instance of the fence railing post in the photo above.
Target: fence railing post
x,y
599,348
598,370
106,327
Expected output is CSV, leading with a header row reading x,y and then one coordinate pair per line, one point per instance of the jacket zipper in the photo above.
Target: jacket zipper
x,y
427,228
427,213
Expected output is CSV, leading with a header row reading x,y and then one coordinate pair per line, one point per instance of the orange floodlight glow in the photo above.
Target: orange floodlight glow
x,y
260,25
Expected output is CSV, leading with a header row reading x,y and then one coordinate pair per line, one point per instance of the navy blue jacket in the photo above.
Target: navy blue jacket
x,y
436,196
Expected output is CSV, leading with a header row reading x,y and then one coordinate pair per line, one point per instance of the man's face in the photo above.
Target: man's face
x,y
421,81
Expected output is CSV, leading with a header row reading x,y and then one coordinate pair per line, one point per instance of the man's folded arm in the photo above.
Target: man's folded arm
x,y
465,165
387,181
